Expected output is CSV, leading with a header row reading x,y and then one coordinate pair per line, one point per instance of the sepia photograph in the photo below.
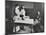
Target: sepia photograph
x,y
23,17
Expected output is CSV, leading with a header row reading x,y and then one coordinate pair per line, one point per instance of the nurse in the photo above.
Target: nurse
x,y
17,10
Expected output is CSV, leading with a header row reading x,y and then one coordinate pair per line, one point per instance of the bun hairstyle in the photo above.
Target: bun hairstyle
x,y
16,5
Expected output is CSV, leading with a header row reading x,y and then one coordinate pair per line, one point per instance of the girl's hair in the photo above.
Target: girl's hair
x,y
20,8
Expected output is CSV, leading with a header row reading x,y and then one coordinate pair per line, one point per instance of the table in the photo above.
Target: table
x,y
29,21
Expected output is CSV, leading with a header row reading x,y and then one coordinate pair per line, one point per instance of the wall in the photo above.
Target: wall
x,y
30,7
